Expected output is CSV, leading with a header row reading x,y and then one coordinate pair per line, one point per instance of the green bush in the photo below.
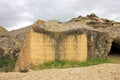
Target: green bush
x,y
70,64
7,64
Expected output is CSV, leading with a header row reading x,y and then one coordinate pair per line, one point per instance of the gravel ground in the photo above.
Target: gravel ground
x,y
115,58
98,72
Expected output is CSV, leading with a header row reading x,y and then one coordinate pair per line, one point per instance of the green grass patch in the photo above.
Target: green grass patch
x,y
70,64
7,65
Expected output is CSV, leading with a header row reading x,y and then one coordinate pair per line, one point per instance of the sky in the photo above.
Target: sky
x,y
16,14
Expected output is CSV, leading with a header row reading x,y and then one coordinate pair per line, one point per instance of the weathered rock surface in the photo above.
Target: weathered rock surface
x,y
11,42
102,24
116,41
79,39
53,40
2,30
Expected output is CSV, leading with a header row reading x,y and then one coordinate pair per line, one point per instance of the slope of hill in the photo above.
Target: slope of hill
x,y
2,30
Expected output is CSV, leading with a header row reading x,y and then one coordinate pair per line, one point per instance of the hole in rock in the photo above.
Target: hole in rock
x,y
115,54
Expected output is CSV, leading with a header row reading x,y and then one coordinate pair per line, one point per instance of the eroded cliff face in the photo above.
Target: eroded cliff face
x,y
79,39
46,48
42,48
12,42
101,24
24,58
78,44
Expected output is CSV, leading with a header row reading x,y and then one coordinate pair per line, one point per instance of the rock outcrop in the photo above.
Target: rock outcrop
x,y
11,42
53,41
79,39
2,30
101,24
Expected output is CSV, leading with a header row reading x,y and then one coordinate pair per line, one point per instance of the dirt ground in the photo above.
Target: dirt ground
x,y
115,56
98,72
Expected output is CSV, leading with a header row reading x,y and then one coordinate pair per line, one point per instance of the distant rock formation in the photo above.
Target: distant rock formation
x,y
101,24
90,18
2,30
79,39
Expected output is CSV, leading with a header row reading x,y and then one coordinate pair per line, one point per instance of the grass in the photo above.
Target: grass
x,y
7,65
70,64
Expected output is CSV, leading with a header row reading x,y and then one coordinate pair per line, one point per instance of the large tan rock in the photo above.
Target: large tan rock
x,y
79,39
53,40
39,22
101,24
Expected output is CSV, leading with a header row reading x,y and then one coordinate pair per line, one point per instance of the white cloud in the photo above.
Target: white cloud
x,y
18,13
20,25
26,15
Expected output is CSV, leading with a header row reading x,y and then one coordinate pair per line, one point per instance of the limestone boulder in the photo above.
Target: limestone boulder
x,y
53,41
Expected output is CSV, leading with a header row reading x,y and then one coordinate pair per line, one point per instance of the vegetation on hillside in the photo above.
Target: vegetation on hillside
x,y
70,64
7,65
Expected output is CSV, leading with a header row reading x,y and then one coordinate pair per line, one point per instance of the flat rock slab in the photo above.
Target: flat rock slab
x,y
98,72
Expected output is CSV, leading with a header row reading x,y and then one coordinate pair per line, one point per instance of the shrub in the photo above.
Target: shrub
x,y
70,64
7,64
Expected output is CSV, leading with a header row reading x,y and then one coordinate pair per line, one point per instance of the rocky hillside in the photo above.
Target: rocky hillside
x,y
2,30
90,18
11,42
103,25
